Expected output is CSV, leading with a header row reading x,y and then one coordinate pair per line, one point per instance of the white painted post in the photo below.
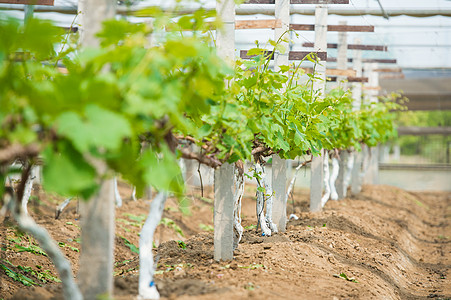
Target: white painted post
x,y
223,212
190,171
282,12
396,153
319,86
372,174
356,184
357,86
340,183
374,164
225,38
348,171
342,55
224,176
95,275
28,12
342,64
97,215
279,182
279,166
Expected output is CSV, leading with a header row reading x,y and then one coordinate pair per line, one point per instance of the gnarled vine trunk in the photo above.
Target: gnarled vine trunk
x,y
263,195
147,288
117,196
326,179
62,265
333,178
237,197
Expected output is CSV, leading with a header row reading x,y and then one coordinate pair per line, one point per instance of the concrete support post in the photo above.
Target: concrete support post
x,y
28,12
384,153
342,64
224,176
319,86
372,174
279,166
282,12
279,187
95,275
225,38
316,182
357,86
340,183
223,212
356,183
342,56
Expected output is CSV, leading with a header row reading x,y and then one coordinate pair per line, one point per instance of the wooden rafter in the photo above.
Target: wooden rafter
x,y
258,24
299,2
367,60
292,55
29,2
349,79
335,72
339,28
353,47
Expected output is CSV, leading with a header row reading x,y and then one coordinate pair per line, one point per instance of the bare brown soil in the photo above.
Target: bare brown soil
x,y
388,243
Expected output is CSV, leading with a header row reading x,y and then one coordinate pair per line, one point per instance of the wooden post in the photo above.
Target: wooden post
x,y
95,275
223,212
224,176
316,181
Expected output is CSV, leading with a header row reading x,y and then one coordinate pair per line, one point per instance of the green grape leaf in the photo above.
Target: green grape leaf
x,y
100,128
67,173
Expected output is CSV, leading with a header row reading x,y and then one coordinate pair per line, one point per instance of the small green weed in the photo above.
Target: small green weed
x,y
17,276
132,247
32,249
206,227
169,223
345,277
253,266
181,244
140,218
44,276
208,200
63,245
249,286
72,224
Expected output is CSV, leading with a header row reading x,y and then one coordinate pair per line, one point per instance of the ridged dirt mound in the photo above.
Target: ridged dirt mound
x,y
385,243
